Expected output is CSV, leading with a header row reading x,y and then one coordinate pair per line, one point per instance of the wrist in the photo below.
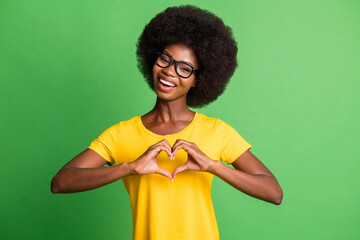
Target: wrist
x,y
213,166
130,168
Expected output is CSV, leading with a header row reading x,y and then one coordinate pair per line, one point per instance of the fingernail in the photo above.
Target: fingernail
x,y
172,179
172,157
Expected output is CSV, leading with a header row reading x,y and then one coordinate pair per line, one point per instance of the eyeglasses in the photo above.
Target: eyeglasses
x,y
182,69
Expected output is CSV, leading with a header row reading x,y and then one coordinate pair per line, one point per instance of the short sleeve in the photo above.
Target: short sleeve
x,y
104,144
232,143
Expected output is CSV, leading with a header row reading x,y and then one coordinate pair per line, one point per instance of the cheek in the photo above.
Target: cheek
x,y
154,72
155,69
192,81
187,84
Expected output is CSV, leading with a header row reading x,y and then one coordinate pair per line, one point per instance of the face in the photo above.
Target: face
x,y
168,76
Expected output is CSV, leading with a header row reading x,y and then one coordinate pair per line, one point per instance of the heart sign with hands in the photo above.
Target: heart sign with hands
x,y
146,163
197,160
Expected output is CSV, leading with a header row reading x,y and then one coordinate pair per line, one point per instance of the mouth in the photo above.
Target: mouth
x,y
166,84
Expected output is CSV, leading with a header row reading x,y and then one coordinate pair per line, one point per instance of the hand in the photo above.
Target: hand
x,y
146,163
197,160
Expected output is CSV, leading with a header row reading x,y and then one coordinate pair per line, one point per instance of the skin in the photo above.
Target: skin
x,y
170,115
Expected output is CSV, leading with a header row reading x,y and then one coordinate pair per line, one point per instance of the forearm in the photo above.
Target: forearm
x,y
72,179
260,186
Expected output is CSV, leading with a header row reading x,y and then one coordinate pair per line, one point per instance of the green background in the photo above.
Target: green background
x,y
68,71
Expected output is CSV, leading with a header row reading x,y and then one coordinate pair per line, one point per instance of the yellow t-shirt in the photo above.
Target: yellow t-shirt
x,y
165,209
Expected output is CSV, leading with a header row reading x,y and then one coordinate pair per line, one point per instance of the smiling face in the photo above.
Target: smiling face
x,y
168,85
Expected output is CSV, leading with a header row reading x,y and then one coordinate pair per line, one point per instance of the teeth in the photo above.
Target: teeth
x,y
167,83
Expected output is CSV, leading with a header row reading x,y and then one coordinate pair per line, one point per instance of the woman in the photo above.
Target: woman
x,y
167,158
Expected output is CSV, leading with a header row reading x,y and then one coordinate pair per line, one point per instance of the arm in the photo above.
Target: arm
x,y
251,177
86,172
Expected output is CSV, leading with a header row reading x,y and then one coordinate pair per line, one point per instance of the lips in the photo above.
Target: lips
x,y
166,84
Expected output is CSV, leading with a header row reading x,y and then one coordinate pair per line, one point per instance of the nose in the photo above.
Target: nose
x,y
170,70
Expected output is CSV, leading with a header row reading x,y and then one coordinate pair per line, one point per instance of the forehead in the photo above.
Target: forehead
x,y
181,52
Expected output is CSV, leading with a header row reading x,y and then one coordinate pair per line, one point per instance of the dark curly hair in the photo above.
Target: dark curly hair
x,y
206,34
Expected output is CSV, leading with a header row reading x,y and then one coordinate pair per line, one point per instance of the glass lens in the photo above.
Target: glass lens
x,y
164,60
183,69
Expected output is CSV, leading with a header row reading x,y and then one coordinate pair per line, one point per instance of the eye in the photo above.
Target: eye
x,y
164,59
185,69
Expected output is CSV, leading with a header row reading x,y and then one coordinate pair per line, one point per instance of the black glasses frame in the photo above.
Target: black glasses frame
x,y
176,64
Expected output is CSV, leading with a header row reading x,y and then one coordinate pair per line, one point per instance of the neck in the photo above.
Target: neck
x,y
169,111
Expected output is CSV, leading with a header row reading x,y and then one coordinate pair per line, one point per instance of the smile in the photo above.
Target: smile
x,y
166,83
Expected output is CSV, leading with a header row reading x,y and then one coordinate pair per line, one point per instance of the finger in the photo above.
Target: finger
x,y
179,170
160,148
176,145
184,146
177,142
173,147
157,144
183,141
164,173
166,143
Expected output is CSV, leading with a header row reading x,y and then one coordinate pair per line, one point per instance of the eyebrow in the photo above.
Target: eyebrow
x,y
179,61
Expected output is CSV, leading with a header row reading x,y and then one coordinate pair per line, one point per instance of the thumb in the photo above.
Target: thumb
x,y
179,170
164,173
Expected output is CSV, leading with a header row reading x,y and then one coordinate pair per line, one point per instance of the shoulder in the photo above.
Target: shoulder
x,y
214,122
129,123
121,125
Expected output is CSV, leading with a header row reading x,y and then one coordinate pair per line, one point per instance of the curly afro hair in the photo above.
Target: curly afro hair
x,y
206,34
